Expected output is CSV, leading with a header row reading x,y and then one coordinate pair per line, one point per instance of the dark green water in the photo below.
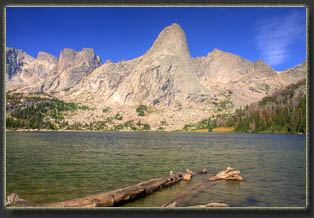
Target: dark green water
x,y
55,166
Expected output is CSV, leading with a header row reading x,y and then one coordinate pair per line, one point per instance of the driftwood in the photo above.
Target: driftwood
x,y
105,199
121,196
112,198
228,174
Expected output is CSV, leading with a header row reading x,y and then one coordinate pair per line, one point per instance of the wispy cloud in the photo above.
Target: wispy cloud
x,y
275,36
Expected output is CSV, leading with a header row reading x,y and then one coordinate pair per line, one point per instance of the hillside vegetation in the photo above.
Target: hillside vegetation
x,y
282,112
44,111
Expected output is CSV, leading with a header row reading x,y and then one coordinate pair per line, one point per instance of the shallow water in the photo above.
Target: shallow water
x,y
55,166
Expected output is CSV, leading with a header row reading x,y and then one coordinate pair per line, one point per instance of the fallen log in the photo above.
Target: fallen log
x,y
228,174
109,199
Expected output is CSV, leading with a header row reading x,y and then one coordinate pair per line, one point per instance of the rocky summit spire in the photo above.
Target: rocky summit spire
x,y
171,41
44,56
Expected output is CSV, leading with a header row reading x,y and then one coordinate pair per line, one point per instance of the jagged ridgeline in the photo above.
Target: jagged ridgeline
x,y
173,87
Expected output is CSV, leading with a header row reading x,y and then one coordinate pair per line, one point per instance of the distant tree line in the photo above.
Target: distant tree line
x,y
283,112
37,112
43,111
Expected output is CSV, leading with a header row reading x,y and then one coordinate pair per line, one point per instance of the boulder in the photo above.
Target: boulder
x,y
187,177
203,171
189,171
228,174
14,200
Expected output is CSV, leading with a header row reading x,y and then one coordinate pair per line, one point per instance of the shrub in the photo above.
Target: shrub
x,y
146,126
106,110
140,110
118,117
141,114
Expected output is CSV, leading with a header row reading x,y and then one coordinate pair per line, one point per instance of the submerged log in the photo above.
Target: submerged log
x,y
211,205
228,174
108,199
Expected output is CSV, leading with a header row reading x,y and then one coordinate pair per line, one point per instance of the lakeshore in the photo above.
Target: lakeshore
x,y
215,130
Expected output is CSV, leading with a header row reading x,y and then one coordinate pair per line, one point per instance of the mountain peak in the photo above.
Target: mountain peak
x,y
264,69
44,56
171,41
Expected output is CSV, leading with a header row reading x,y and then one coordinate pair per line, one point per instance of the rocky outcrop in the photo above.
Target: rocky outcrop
x,y
294,74
44,56
163,77
171,41
73,66
26,73
47,73
16,60
262,69
222,67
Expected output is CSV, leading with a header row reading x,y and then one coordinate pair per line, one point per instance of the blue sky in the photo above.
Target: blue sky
x,y
276,35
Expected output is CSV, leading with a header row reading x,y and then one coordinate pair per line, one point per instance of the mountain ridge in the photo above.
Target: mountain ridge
x,y
166,78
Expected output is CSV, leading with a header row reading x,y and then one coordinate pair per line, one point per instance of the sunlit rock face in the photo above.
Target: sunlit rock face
x,y
176,87
47,72
73,66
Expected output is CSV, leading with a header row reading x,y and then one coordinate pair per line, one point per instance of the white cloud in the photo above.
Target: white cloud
x,y
275,36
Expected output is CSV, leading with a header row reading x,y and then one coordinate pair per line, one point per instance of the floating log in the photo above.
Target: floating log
x,y
228,174
112,198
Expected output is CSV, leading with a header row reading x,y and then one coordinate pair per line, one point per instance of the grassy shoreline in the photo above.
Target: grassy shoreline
x,y
170,131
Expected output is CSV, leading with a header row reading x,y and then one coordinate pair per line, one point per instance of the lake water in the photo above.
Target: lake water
x,y
55,166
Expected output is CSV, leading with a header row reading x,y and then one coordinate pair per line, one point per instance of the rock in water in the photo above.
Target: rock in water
x,y
228,174
203,171
187,177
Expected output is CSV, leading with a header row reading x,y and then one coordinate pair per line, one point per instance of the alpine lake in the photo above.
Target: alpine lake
x,y
46,166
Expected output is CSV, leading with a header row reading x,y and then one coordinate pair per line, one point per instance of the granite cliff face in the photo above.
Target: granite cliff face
x,y
247,81
293,74
73,66
16,61
174,86
27,73
162,77
46,72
